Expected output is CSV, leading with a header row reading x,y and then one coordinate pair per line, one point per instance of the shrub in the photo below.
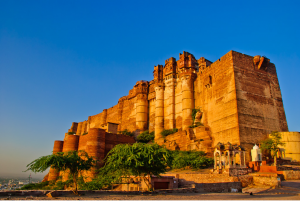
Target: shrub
x,y
196,125
37,186
193,159
194,112
71,133
169,132
126,132
145,137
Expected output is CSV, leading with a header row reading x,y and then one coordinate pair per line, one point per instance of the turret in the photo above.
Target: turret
x,y
141,90
158,73
169,92
187,72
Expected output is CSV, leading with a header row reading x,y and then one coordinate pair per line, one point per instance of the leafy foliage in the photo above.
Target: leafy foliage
x,y
36,186
71,133
104,180
74,162
167,132
272,144
59,185
193,159
196,125
126,132
138,160
194,112
145,137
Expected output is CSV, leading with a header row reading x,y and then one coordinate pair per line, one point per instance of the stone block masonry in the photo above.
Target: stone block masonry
x,y
239,96
96,143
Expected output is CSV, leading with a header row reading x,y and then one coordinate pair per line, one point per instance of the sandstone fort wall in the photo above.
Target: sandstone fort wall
x,y
239,97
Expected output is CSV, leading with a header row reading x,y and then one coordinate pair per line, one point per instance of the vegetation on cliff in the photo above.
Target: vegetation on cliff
x,y
145,137
167,132
126,132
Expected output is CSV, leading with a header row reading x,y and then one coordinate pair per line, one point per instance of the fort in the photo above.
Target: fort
x,y
238,97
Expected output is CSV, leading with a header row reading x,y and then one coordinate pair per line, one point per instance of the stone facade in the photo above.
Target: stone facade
x,y
239,97
96,143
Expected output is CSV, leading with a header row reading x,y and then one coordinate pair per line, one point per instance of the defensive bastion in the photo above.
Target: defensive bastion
x,y
239,97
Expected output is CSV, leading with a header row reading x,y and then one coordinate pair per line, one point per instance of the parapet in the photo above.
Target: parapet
x,y
186,60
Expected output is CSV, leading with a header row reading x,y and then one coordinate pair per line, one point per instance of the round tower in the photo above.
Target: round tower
x,y
58,147
159,111
70,144
141,89
187,72
188,103
95,147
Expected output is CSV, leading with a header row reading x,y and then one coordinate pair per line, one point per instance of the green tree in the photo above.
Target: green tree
x,y
272,144
139,159
74,162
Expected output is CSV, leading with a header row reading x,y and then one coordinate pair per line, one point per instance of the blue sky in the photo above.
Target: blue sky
x,y
62,61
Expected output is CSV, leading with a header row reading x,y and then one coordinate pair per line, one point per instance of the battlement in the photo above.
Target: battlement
x,y
186,60
170,67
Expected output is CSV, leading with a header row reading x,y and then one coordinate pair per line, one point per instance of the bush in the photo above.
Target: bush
x,y
196,125
102,181
193,159
126,132
145,137
37,186
194,112
59,185
169,132
71,133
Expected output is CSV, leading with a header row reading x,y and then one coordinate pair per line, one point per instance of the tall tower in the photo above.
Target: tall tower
x,y
169,77
187,73
159,102
141,90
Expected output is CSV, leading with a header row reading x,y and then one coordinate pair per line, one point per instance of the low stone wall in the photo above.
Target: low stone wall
x,y
220,187
237,171
268,179
211,182
291,174
245,180
187,179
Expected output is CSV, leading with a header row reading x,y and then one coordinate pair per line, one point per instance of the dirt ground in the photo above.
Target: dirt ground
x,y
290,190
173,196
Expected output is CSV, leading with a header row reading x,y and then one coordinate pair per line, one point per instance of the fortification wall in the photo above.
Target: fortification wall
x,y
238,94
95,120
96,143
259,101
129,115
112,114
215,94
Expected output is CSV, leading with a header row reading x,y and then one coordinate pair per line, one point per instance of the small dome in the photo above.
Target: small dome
x,y
255,147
